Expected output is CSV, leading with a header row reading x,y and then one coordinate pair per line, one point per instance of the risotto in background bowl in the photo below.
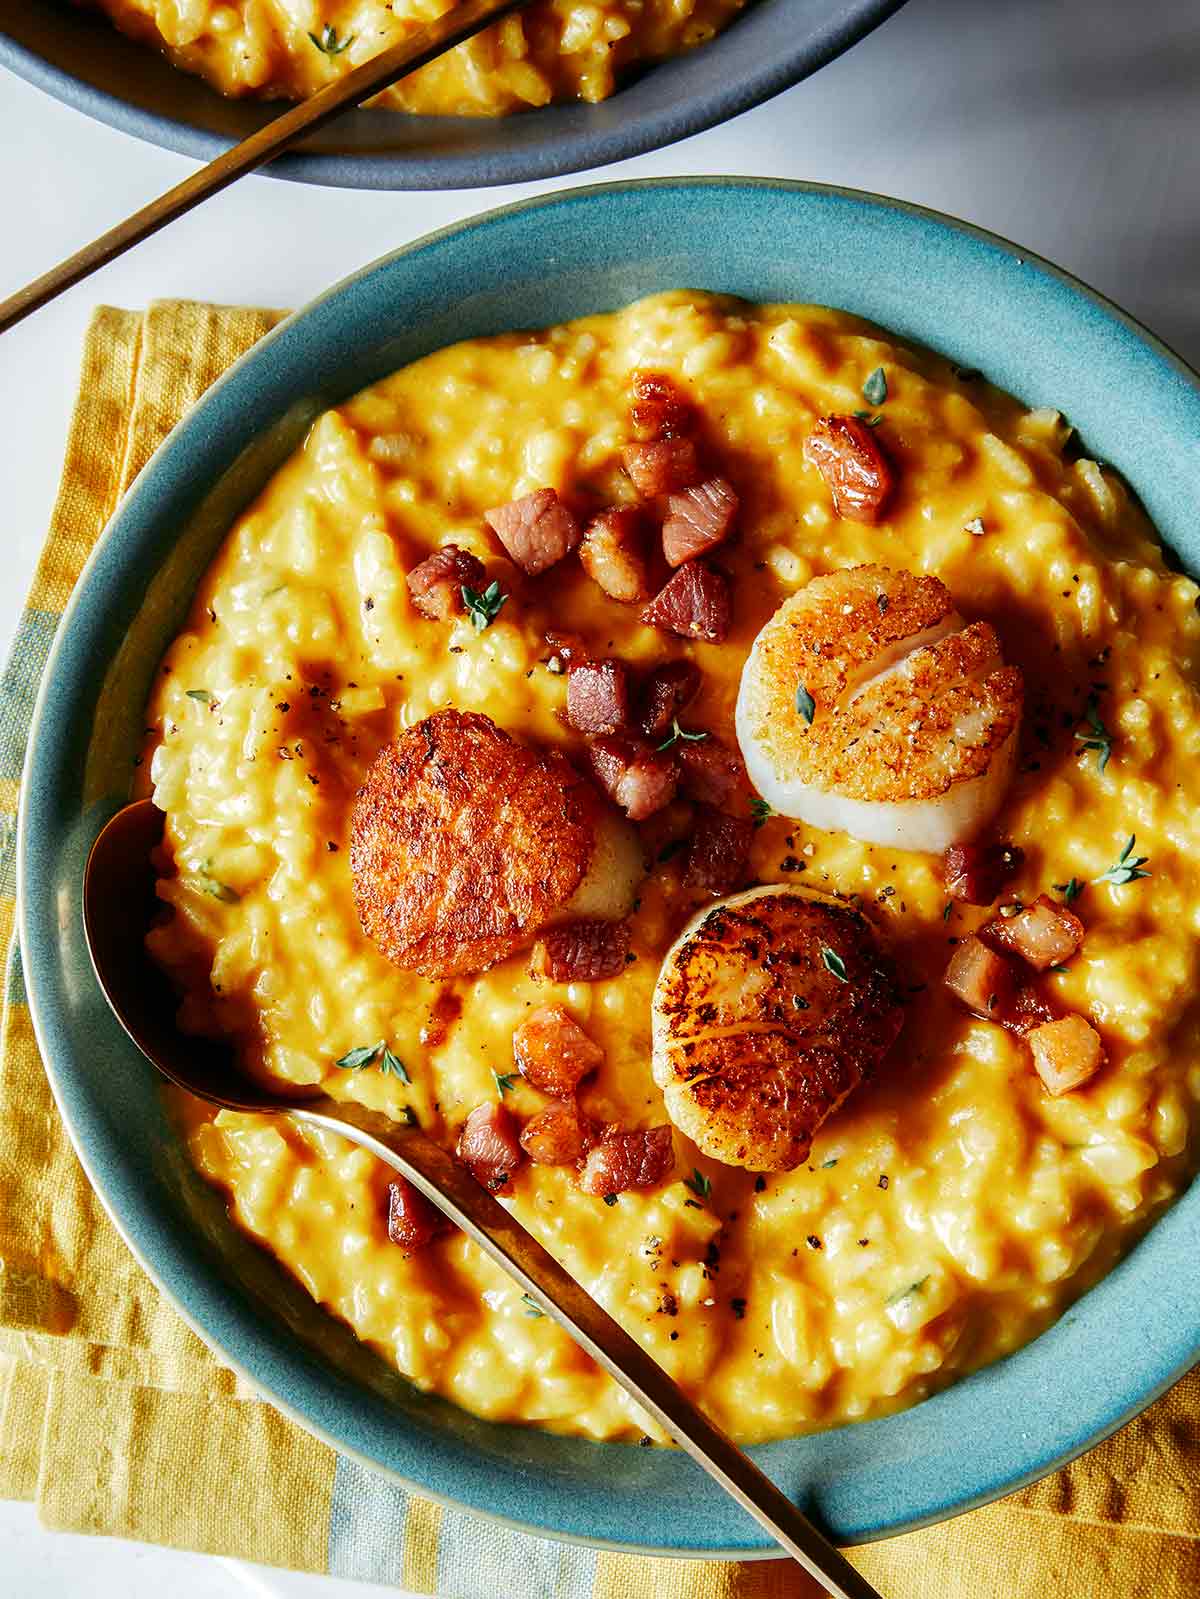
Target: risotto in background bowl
x,y
988,1206
557,52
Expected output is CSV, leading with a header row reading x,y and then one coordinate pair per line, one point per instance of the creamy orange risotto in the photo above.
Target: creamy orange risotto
x,y
287,49
952,1205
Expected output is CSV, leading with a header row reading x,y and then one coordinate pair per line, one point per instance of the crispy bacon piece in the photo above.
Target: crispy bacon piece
x,y
983,979
667,691
718,852
710,771
857,473
698,520
662,466
641,780
658,410
435,586
1023,1011
621,1161
560,1135
1066,1053
537,530
585,951
553,1051
975,873
598,698
488,1145
613,554
1044,933
694,602
412,1221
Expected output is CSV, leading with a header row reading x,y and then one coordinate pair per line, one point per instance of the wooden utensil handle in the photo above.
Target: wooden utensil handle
x,y
463,20
454,1191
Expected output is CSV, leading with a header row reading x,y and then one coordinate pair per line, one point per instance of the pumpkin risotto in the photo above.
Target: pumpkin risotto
x,y
998,1044
288,49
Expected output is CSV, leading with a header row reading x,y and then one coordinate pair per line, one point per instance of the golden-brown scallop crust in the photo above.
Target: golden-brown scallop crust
x,y
758,1036
465,843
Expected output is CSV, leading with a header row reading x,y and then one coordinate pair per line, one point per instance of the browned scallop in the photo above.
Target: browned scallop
x,y
770,1009
553,1051
465,844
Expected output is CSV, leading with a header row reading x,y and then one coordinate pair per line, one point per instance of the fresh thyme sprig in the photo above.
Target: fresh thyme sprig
x,y
1098,737
381,1055
699,1184
329,44
678,733
1127,868
483,609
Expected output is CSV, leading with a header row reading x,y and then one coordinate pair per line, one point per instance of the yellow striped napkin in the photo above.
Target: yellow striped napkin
x,y
116,1419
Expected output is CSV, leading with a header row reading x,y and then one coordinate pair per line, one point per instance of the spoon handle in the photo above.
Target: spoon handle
x,y
453,1190
423,45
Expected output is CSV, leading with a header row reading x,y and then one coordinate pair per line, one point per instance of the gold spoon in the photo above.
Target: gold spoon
x,y
118,904
424,44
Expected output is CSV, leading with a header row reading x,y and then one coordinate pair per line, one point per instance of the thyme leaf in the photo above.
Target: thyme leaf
x,y
875,389
760,811
904,1293
1127,868
483,609
1070,890
805,703
834,963
329,44
504,1083
202,695
678,733
1097,737
531,1309
355,1059
698,1183
392,1066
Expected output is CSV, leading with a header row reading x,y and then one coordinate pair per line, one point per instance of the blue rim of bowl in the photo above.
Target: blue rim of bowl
x,y
582,150
1174,1357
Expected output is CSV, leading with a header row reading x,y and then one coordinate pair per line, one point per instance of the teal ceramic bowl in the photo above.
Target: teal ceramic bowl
x,y
979,300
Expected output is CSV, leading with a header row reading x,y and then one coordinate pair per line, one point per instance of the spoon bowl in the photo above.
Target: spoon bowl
x,y
120,904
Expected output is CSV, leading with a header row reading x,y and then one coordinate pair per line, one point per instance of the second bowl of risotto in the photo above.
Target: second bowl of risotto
x,y
564,86
703,737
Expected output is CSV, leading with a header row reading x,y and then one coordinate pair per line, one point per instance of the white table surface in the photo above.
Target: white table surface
x,y
1070,126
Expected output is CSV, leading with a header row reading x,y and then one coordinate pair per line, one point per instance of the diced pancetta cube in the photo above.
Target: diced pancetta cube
x,y
560,1135
621,1161
709,770
589,950
718,852
435,586
598,697
413,1221
1044,933
856,471
668,690
694,602
974,874
639,779
698,520
553,1051
981,978
657,409
1066,1053
537,530
613,554
488,1145
661,466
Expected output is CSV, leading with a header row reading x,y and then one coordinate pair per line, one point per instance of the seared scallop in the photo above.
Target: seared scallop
x,y
465,844
868,706
771,1007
